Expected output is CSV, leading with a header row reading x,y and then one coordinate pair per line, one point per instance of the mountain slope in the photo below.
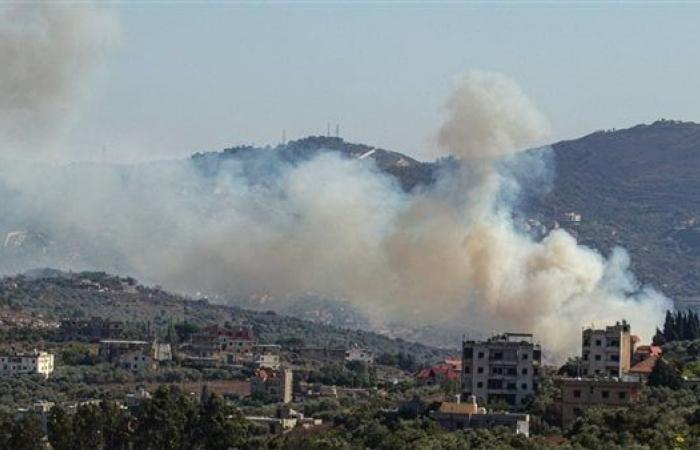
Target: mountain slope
x,y
638,188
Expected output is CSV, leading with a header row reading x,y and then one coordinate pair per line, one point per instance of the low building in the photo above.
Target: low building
x,y
94,329
285,420
504,367
27,363
275,384
135,355
229,345
455,416
607,352
577,394
267,356
449,370
359,354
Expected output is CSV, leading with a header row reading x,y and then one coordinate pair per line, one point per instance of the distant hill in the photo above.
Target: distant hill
x,y
638,188
408,171
54,295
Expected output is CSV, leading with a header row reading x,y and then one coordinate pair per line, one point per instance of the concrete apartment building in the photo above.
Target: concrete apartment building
x,y
577,394
27,363
276,384
503,367
607,352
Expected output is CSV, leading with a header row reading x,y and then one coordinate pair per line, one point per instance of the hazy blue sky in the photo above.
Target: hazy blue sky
x,y
191,77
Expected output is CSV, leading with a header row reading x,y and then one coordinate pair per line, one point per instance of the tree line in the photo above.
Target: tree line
x,y
678,326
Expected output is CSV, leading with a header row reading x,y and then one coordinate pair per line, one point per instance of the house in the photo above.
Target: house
x,y
607,352
267,356
93,329
577,394
275,384
503,367
285,420
440,373
644,360
359,354
135,355
19,363
455,416
228,345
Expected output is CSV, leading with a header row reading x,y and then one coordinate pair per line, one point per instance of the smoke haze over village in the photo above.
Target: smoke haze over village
x,y
446,254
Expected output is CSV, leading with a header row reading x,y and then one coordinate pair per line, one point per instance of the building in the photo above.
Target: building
x,y
455,416
449,370
577,394
643,362
234,345
135,355
359,354
267,356
503,367
607,352
94,329
27,363
275,384
285,420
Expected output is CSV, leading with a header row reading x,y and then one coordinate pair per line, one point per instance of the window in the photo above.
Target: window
x,y
467,369
480,370
598,342
597,357
480,384
577,393
525,356
511,387
605,394
523,386
615,358
621,395
614,343
586,342
585,356
497,370
524,371
481,355
512,371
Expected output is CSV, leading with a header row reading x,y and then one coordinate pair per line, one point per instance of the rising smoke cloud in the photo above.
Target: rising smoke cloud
x,y
449,254
48,53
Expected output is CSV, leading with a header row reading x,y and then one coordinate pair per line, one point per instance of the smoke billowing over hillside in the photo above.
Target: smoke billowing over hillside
x,y
448,253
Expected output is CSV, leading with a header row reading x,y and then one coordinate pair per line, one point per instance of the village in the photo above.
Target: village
x,y
492,384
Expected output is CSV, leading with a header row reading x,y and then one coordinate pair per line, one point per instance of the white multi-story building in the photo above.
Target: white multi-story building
x,y
504,367
607,352
27,363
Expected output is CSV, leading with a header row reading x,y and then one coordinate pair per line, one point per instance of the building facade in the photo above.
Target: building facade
x,y
607,352
27,363
276,384
577,394
455,416
135,355
503,367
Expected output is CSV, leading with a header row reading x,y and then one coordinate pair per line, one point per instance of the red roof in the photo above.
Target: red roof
x,y
446,370
645,366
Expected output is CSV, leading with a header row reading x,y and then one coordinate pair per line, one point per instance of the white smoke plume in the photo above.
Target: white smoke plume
x,y
48,54
446,254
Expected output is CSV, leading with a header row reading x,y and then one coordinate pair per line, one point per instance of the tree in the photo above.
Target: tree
x,y
60,429
87,428
27,433
162,422
221,426
665,374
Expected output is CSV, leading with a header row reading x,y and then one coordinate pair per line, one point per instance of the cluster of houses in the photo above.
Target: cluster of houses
x,y
506,369
503,370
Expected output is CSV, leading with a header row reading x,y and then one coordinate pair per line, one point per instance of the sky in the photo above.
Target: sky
x,y
189,77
